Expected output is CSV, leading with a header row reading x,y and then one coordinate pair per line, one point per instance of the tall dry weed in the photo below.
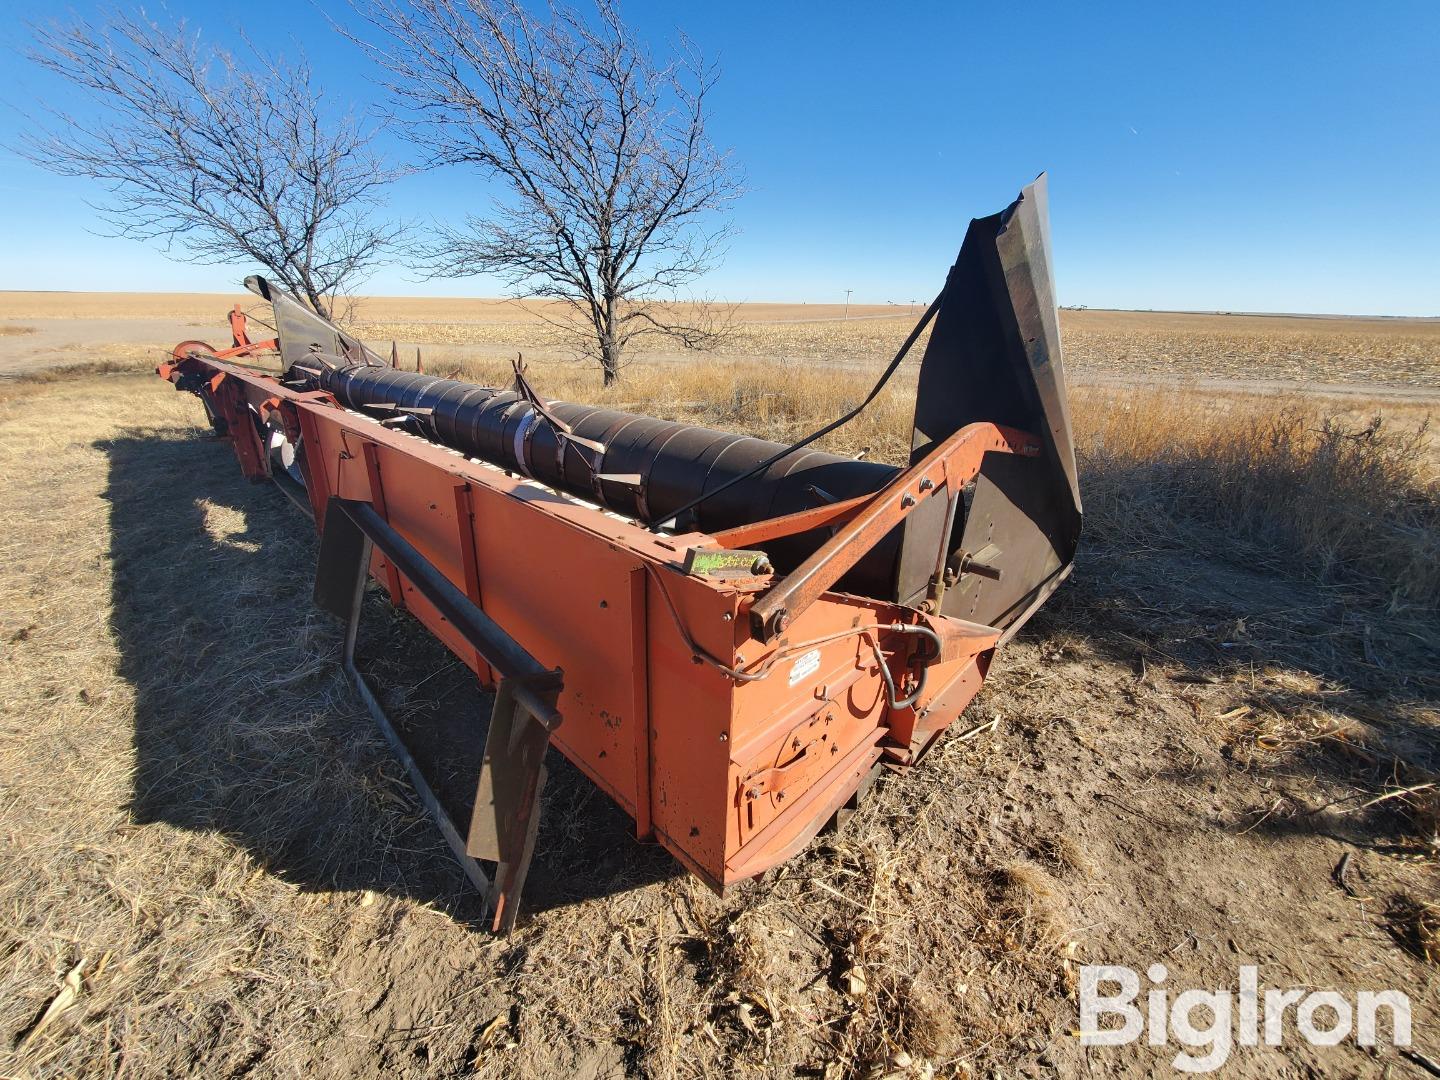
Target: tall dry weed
x,y
1334,496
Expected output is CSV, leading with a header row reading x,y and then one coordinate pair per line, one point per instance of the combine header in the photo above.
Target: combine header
x,y
729,636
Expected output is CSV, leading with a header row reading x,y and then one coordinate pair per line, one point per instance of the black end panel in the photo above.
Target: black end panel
x,y
994,355
303,334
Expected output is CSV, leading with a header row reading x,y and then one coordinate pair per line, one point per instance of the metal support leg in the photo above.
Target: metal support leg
x,y
507,799
507,803
472,869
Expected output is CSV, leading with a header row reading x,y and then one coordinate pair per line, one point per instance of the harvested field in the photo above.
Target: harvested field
x,y
1388,351
423,310
1399,352
1100,345
1211,749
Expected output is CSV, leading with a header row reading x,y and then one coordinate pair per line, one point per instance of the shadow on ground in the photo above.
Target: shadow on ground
x,y
245,724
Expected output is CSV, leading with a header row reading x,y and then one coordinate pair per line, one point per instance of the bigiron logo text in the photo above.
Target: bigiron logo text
x,y
1208,1024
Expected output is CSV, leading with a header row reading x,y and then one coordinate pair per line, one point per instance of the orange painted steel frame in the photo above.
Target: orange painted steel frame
x,y
731,772
240,338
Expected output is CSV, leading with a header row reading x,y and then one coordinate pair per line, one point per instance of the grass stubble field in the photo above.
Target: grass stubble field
x,y
1215,746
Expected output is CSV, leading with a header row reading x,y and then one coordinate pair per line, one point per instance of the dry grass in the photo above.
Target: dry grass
x,y
83,847
119,361
1392,352
1296,486
828,340
1360,488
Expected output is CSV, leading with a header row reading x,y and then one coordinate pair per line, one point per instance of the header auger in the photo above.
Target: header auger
x,y
728,636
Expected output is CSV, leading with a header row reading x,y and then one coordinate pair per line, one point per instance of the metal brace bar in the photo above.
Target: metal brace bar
x,y
472,869
535,684
507,805
507,800
951,465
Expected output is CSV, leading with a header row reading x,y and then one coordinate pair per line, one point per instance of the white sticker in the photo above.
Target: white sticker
x,y
806,665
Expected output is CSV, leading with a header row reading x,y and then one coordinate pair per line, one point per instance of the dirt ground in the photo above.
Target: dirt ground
x,y
1177,761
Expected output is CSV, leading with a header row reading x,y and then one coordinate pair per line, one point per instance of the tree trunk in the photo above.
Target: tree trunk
x,y
610,362
318,303
312,295
609,347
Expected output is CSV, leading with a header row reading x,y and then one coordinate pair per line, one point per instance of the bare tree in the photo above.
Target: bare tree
x,y
221,161
611,184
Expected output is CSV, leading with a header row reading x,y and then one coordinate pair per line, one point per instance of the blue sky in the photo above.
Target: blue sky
x,y
1259,157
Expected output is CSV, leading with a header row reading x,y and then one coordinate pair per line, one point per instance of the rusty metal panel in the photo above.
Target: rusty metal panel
x,y
569,601
694,720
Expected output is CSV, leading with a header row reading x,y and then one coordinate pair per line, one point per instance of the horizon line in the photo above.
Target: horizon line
x,y
1235,312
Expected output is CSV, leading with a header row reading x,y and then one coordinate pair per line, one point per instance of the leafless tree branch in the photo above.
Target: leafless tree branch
x,y
612,186
215,159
